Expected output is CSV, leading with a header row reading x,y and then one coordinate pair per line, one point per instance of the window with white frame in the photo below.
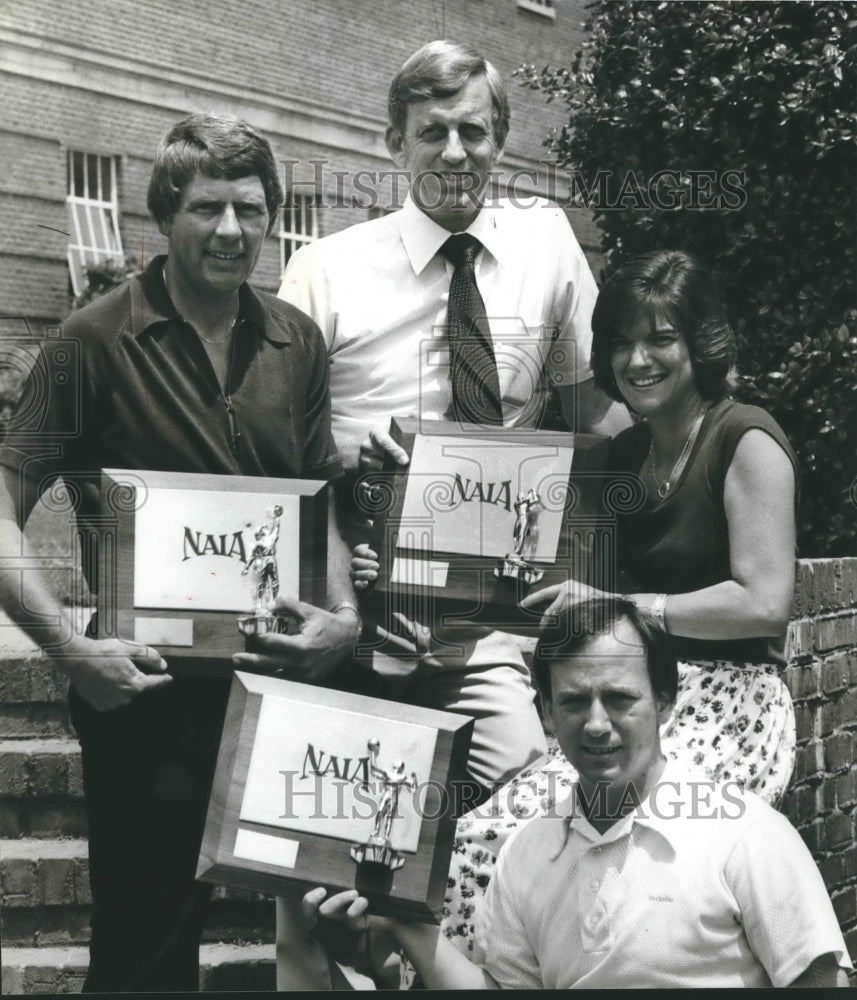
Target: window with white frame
x,y
298,225
544,7
93,209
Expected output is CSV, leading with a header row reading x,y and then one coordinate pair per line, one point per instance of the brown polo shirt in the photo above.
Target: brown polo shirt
x,y
128,385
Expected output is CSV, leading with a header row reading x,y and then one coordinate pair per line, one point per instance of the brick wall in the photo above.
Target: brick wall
x,y
340,53
822,677
109,76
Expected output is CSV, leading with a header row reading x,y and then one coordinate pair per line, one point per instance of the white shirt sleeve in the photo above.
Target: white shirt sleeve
x,y
575,293
305,287
785,909
502,946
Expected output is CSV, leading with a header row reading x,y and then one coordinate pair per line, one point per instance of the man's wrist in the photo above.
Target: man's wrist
x,y
69,647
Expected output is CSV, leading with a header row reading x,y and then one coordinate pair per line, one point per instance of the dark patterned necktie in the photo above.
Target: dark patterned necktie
x,y
472,367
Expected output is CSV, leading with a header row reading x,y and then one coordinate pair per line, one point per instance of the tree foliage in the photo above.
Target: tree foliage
x,y
106,274
758,97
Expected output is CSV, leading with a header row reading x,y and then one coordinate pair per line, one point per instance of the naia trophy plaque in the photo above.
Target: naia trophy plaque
x,y
182,556
479,517
321,787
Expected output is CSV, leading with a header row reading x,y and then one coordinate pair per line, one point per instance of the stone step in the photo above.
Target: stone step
x,y
47,767
44,892
35,720
33,696
45,899
32,677
41,788
224,967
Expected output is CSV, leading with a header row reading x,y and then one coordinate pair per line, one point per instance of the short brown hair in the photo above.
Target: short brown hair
x,y
569,633
216,144
441,69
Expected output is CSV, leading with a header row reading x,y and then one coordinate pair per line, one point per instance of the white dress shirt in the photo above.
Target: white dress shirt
x,y
379,292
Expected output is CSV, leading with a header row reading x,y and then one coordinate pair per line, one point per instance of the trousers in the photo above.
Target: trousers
x,y
147,773
469,670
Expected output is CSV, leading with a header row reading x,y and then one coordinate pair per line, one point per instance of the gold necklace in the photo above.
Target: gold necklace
x,y
225,340
664,486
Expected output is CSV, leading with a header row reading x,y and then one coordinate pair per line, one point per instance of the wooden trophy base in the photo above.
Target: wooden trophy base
x,y
252,626
515,568
376,863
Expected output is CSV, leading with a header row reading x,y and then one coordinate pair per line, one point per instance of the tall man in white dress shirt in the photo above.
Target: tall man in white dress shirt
x,y
380,291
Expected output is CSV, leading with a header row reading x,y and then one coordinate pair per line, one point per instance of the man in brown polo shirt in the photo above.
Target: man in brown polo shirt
x,y
184,368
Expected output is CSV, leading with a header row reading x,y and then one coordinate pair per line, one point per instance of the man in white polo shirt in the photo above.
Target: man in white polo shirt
x,y
647,876
380,292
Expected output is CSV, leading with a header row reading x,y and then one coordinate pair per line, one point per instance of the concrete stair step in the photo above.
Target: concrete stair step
x,y
43,873
31,677
41,788
45,899
33,696
44,892
35,720
47,767
224,967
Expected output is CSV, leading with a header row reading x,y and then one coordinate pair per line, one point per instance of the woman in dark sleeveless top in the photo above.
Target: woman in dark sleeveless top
x,y
708,552
710,549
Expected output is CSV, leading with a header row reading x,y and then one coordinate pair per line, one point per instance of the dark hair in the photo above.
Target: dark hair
x,y
441,69
676,286
215,144
574,628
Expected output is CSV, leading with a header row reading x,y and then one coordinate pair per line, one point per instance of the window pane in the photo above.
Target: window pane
x,y
77,159
110,227
76,272
93,214
74,211
297,225
92,176
106,185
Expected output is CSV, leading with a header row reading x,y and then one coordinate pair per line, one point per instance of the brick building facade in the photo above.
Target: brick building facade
x,y
106,79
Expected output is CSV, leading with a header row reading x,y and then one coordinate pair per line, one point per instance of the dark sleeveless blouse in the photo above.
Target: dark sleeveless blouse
x,y
681,544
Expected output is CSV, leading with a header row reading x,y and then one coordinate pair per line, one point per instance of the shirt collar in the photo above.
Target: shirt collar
x,y
423,237
652,818
151,303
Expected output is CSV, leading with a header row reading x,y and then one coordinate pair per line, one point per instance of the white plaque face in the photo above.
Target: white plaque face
x,y
466,489
307,771
191,546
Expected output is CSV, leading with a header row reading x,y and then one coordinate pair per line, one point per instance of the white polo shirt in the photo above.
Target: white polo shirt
x,y
701,887
379,292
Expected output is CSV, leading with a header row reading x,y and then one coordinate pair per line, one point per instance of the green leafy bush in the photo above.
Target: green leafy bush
x,y
103,276
739,115
810,393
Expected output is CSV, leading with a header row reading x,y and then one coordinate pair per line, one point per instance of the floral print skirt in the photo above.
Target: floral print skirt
x,y
734,722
